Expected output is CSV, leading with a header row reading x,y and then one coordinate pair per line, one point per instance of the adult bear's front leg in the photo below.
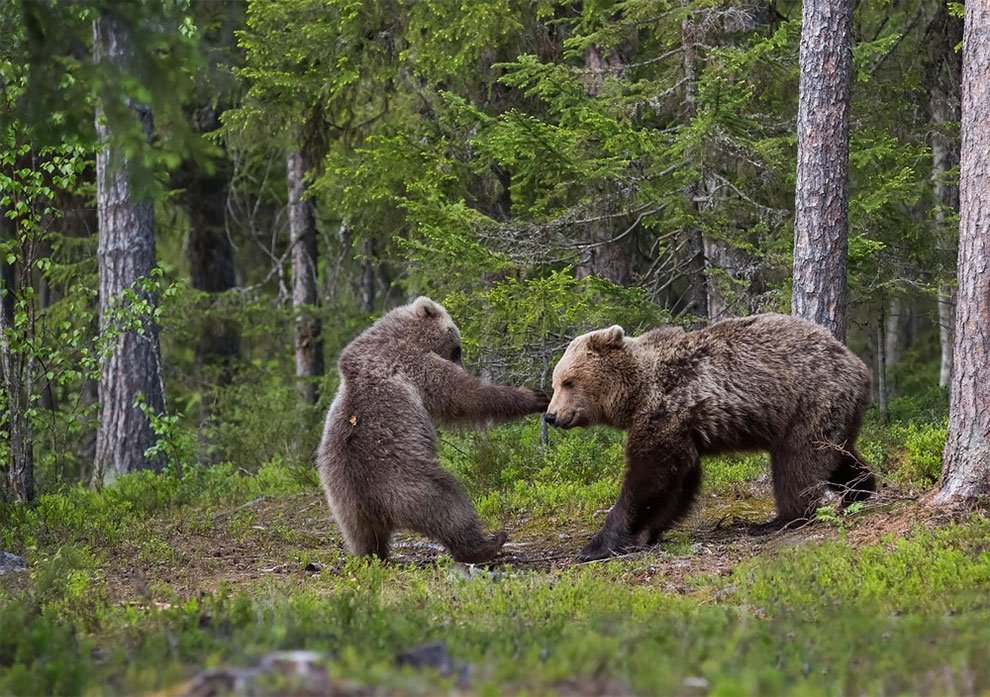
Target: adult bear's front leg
x,y
650,499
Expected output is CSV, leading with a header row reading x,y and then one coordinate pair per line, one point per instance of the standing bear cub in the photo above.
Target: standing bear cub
x,y
766,382
377,459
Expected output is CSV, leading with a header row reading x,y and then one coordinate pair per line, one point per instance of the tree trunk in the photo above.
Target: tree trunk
x,y
966,464
131,372
20,466
305,301
7,274
821,196
897,337
210,254
368,254
698,281
944,78
882,362
604,257
946,198
18,471
946,335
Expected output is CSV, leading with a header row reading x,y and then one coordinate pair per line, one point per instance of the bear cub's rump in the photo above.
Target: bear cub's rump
x,y
766,382
377,459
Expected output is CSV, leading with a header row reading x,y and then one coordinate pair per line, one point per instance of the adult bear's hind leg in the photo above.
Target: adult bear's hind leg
x,y
797,471
852,478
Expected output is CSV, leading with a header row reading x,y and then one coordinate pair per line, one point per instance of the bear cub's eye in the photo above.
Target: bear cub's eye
x,y
455,355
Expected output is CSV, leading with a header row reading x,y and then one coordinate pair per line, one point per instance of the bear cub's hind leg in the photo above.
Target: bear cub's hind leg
x,y
366,538
444,512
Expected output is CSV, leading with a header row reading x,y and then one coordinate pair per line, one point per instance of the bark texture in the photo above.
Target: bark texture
x,y
821,196
305,301
126,254
966,465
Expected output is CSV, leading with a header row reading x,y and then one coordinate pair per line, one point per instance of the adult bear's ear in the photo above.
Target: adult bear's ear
x,y
606,339
423,308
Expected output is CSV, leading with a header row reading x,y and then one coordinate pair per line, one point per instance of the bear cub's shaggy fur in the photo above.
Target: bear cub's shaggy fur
x,y
767,382
377,459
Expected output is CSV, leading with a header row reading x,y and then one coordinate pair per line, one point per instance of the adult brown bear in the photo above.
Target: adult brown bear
x,y
377,459
766,382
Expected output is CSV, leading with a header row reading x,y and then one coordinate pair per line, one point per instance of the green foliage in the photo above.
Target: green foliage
x,y
908,446
735,468
921,451
508,471
57,90
109,516
521,327
897,615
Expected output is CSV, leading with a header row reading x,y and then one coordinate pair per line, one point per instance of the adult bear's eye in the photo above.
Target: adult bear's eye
x,y
567,384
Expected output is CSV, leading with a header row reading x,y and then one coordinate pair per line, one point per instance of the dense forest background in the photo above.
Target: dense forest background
x,y
541,168
203,201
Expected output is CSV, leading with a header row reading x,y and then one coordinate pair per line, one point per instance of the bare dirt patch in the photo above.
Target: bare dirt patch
x,y
290,540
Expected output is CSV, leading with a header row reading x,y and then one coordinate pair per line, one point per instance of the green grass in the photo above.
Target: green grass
x,y
902,616
819,616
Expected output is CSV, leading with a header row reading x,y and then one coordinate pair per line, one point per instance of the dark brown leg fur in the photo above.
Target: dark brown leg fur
x,y
654,489
677,508
852,479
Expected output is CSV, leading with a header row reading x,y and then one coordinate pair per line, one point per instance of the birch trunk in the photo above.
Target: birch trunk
x,y
18,471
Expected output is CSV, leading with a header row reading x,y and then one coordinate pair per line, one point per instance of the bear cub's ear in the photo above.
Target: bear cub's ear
x,y
423,308
610,338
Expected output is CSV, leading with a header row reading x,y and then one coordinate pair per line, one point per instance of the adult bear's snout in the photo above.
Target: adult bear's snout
x,y
550,418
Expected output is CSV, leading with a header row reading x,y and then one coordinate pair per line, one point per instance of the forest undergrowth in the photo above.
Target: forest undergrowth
x,y
146,584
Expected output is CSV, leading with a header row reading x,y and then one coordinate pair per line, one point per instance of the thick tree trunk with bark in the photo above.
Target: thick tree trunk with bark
x,y
126,255
821,197
966,467
305,300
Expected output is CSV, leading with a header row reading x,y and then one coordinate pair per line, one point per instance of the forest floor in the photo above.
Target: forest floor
x,y
223,582
294,539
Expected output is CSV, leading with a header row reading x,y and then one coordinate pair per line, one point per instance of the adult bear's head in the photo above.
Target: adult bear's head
x,y
594,382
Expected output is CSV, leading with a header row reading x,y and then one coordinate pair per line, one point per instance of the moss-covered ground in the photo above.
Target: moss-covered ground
x,y
144,585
